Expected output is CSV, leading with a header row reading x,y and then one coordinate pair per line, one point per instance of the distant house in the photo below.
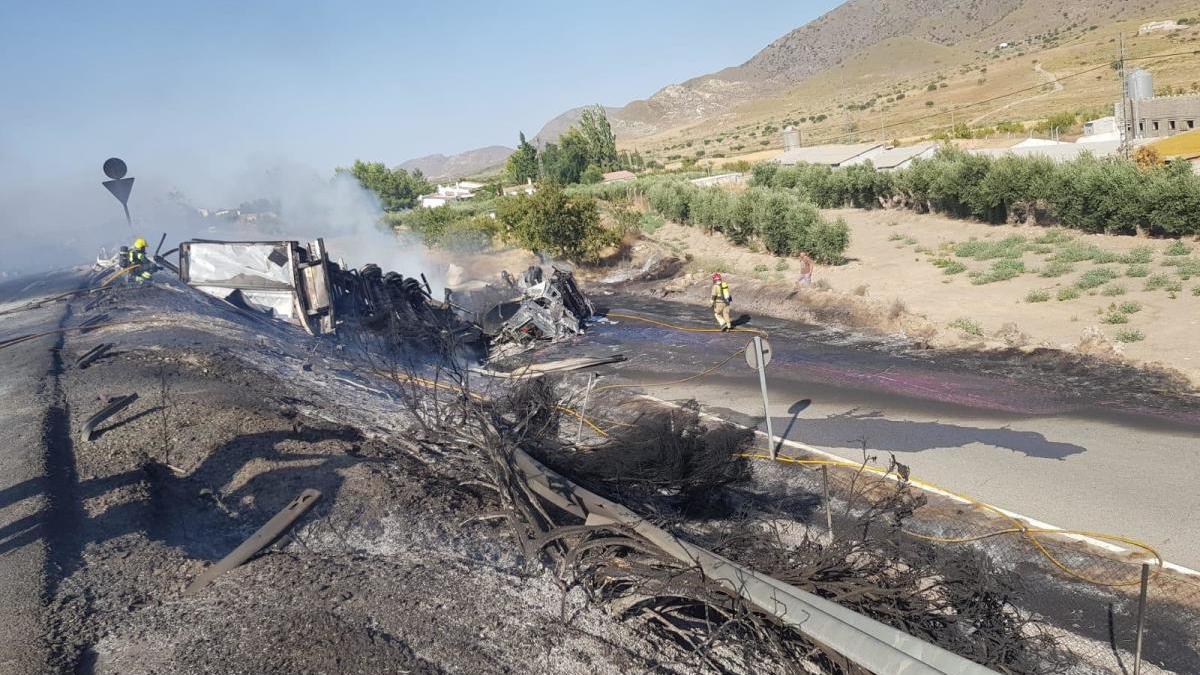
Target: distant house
x,y
1100,130
718,179
1162,115
618,176
527,189
1059,152
831,155
449,193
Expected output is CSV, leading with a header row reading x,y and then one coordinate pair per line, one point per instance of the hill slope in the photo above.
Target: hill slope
x,y
971,26
469,163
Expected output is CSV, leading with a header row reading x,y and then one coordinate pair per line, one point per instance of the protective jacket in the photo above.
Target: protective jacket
x,y
720,293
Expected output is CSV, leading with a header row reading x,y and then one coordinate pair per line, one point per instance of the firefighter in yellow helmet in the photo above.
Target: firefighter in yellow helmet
x,y
139,264
721,299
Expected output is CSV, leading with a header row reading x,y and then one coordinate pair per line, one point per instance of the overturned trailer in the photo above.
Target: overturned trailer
x,y
280,278
301,285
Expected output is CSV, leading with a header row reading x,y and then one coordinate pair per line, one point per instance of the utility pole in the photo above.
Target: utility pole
x,y
1126,122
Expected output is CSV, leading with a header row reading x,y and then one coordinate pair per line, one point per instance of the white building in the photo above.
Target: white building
x,y
527,189
892,159
449,193
834,155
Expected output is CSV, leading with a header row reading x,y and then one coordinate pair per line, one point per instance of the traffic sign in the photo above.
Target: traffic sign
x,y
752,353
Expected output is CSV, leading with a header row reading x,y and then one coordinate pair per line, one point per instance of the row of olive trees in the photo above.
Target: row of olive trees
x,y
1091,194
783,222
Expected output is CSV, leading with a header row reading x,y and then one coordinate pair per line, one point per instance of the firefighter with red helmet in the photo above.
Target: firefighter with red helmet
x,y
721,299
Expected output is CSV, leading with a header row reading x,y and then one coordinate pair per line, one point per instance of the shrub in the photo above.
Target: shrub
x,y
1056,268
1078,251
1095,277
949,266
1037,296
827,241
1130,335
1115,318
1160,281
1177,248
968,326
671,198
1068,293
554,222
1137,271
1009,247
1129,307
1055,237
651,222
470,234
1113,290
782,222
1139,255
1001,270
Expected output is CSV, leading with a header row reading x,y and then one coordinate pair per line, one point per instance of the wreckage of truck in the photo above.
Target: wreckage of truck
x,y
299,284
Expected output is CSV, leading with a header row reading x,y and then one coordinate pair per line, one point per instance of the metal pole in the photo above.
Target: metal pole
x,y
762,382
1141,619
583,411
828,506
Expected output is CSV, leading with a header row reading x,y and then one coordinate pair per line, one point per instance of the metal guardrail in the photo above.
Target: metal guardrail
x,y
864,641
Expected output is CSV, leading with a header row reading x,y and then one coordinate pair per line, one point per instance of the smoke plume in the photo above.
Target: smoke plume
x,y
69,222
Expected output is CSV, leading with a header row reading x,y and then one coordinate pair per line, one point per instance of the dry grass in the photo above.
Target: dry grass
x,y
909,64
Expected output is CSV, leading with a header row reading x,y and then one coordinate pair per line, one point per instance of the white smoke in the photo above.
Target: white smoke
x,y
67,223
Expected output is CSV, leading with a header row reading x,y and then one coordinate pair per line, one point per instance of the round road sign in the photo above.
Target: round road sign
x,y
752,354
114,168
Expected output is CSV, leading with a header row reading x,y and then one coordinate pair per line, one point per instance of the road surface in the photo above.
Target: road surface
x,y
1073,454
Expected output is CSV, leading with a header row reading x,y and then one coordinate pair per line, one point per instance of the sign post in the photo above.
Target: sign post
x,y
758,355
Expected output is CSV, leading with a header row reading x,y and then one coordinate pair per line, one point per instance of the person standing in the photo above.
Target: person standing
x,y
806,270
721,300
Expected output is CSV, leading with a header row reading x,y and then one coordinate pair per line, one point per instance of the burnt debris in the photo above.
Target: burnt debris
x,y
300,284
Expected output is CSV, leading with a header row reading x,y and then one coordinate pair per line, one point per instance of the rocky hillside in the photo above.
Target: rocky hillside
x,y
469,163
975,26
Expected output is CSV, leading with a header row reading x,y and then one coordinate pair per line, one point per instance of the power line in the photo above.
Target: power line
x,y
985,101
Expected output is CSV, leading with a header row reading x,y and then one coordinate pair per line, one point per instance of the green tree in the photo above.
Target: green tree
x,y
565,161
598,134
550,221
592,174
523,163
396,189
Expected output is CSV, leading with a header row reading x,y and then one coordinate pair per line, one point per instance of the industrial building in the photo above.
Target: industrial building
x,y
1148,116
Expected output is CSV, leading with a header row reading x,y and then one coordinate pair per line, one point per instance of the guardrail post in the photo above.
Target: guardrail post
x,y
828,506
583,411
1141,619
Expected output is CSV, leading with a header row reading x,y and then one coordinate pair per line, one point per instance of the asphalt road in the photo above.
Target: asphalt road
x,y
1077,456
26,396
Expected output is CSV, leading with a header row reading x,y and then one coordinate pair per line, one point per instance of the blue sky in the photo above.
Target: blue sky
x,y
206,84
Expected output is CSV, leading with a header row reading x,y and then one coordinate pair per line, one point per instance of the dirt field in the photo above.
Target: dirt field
x,y
891,274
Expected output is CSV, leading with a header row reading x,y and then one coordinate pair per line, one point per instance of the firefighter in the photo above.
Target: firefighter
x,y
721,299
138,263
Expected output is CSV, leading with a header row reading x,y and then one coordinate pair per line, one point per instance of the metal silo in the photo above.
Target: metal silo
x,y
791,138
1139,85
